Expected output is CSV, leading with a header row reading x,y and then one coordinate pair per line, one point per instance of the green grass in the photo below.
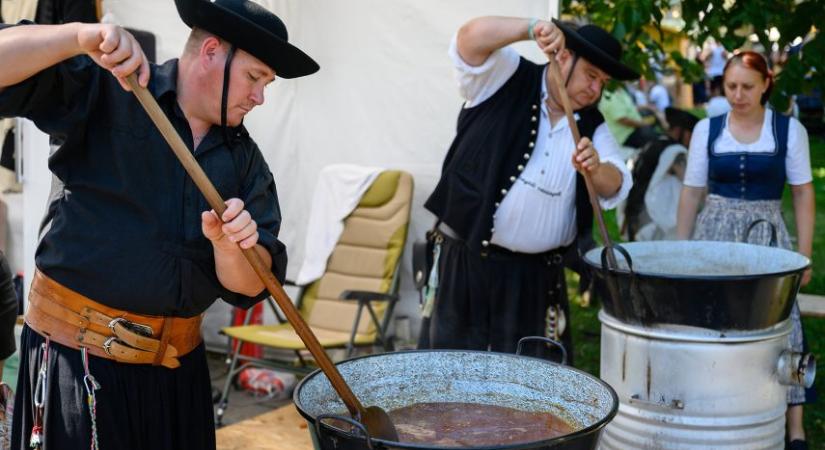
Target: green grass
x,y
817,284
586,334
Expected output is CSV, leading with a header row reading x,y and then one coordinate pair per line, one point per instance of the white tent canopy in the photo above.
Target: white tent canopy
x,y
385,96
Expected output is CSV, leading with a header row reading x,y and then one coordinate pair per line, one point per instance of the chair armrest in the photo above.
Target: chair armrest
x,y
367,296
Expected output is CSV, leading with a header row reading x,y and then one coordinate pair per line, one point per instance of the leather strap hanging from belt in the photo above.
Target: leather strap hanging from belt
x,y
73,320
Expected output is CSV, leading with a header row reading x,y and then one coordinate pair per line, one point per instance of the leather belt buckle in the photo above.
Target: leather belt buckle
x,y
143,330
107,345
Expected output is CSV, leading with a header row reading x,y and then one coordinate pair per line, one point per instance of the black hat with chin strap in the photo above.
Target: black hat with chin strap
x,y
253,29
680,118
598,47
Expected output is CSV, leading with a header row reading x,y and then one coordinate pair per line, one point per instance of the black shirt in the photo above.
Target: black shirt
x,y
125,226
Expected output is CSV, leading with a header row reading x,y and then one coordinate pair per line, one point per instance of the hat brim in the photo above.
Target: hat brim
x,y
287,60
595,55
680,118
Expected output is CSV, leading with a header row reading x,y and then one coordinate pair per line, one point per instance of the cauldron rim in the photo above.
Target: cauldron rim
x,y
592,258
593,428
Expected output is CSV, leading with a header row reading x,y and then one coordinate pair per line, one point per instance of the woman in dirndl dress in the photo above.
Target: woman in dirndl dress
x,y
744,159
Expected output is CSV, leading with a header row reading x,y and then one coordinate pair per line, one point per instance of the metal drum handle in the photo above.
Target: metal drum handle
x,y
355,423
545,340
753,225
637,296
620,250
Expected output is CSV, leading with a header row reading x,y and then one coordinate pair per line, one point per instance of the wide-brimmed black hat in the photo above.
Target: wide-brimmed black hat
x,y
598,47
252,28
680,118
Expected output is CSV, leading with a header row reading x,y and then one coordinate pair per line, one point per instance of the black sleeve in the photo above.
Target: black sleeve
x,y
8,309
261,201
65,11
58,99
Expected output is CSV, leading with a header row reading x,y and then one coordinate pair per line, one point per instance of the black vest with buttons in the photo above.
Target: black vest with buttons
x,y
493,142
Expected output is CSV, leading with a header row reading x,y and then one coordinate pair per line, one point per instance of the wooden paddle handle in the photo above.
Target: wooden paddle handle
x,y
555,75
272,285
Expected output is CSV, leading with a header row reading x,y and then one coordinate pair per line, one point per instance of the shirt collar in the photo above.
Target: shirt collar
x,y
165,79
544,95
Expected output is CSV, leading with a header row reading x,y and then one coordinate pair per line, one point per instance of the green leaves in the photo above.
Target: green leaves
x,y
645,28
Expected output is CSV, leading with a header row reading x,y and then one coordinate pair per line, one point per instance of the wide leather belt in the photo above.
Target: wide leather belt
x,y
75,321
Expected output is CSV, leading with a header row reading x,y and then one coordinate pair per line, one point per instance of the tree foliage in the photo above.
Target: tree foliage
x,y
638,24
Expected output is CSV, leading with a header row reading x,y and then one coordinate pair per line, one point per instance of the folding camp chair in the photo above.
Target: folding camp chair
x,y
351,305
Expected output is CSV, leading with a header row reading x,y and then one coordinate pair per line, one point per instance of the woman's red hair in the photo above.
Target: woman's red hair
x,y
754,61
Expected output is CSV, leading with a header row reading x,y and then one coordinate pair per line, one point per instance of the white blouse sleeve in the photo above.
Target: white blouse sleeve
x,y
696,173
478,83
605,144
798,159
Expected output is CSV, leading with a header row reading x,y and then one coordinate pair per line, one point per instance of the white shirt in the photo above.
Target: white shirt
x,y
659,97
797,160
716,62
639,97
538,212
717,106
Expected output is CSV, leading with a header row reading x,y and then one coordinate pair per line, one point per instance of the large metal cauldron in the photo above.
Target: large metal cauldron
x,y
717,285
395,380
695,342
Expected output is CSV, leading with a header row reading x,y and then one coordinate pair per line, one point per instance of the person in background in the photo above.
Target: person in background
x,y
714,58
659,96
699,88
650,209
744,159
718,103
624,120
8,318
638,92
8,312
511,200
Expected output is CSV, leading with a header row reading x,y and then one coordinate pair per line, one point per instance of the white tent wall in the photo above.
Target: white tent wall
x,y
385,96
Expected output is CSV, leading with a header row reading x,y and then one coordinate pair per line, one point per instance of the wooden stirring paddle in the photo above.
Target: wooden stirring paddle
x,y
555,75
375,419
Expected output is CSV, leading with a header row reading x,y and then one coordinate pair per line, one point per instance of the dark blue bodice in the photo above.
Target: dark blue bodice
x,y
744,175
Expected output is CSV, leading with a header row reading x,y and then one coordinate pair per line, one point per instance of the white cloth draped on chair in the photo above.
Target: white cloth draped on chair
x,y
337,193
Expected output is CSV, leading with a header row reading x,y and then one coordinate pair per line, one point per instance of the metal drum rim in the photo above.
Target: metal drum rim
x,y
783,328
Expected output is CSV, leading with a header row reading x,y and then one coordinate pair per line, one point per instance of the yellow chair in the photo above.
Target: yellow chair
x,y
351,305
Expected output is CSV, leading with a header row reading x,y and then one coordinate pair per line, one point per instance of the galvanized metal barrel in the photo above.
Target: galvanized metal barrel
x,y
690,388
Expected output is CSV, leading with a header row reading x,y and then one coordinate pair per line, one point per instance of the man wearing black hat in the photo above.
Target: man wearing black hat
x,y
131,255
650,210
510,203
